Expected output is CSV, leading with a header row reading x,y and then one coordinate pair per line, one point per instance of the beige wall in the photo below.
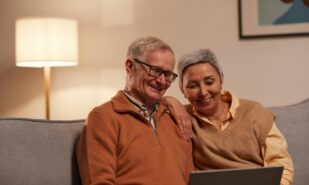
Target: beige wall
x,y
272,71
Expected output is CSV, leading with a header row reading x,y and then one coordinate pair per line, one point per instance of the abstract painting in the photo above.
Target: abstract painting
x,y
273,18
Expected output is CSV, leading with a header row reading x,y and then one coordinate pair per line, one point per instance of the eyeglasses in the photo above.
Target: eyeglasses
x,y
157,71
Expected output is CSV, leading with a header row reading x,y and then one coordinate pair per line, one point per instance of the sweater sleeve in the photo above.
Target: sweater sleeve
x,y
189,166
276,154
96,150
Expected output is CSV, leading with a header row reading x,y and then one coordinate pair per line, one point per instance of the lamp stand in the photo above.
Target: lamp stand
x,y
47,90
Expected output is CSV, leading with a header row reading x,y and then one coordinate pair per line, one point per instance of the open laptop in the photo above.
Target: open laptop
x,y
237,176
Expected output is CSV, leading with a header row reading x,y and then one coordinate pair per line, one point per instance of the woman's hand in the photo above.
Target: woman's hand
x,y
180,114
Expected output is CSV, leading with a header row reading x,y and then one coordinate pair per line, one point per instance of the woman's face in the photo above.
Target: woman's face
x,y
202,86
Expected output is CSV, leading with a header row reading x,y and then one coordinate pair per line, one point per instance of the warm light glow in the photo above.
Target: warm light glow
x,y
42,42
117,12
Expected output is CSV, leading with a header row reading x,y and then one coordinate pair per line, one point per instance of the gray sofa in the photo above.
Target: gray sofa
x,y
293,122
41,152
38,152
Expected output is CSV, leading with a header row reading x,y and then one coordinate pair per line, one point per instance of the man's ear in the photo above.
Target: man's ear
x,y
129,66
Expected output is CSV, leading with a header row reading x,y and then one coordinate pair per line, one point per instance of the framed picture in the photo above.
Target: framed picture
x,y
273,18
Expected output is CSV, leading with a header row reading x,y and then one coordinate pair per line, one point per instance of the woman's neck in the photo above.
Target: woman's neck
x,y
220,113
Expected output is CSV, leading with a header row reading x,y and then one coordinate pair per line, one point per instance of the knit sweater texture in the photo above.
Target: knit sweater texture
x,y
118,146
237,146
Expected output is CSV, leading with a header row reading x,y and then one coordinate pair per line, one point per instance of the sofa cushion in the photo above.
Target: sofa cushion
x,y
38,152
293,122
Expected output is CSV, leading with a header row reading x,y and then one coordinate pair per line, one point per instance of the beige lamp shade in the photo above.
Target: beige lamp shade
x,y
46,42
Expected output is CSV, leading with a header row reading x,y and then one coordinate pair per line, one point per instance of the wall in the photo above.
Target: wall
x,y
272,71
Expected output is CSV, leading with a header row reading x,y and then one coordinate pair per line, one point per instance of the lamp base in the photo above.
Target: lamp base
x,y
47,91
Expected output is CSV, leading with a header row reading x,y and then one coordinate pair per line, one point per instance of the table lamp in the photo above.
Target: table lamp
x,y
46,43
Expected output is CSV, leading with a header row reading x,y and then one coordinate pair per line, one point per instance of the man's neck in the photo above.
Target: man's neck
x,y
149,106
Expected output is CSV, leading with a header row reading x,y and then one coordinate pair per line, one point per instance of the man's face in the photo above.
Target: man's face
x,y
147,88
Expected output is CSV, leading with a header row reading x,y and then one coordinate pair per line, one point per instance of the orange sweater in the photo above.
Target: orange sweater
x,y
118,146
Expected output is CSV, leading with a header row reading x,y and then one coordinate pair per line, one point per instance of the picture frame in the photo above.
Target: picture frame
x,y
263,18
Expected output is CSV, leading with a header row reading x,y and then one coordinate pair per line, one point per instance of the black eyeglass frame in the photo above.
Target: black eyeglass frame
x,y
168,75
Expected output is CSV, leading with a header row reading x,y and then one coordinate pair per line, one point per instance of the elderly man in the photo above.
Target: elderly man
x,y
132,139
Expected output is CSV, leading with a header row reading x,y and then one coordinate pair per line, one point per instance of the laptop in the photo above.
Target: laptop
x,y
238,176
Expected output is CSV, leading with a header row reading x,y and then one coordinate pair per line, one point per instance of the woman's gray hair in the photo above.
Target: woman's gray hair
x,y
141,47
198,57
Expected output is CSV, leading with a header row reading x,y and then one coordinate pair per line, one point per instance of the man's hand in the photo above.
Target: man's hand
x,y
180,114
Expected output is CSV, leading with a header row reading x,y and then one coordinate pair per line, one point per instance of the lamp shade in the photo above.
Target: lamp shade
x,y
46,42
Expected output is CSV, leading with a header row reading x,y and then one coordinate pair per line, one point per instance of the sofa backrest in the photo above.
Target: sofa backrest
x,y
38,152
293,122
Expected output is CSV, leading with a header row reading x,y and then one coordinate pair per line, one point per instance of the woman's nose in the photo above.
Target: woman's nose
x,y
203,91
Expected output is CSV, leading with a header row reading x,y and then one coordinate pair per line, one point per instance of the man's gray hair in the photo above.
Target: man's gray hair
x,y
141,47
198,57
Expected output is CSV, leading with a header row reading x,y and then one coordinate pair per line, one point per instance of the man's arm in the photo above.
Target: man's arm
x,y
180,114
96,151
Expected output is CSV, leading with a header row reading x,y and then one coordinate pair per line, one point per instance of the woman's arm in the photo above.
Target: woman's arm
x,y
276,153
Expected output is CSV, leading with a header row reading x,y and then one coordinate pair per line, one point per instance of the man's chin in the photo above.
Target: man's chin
x,y
155,96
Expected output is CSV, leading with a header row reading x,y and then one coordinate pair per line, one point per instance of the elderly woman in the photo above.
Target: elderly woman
x,y
228,132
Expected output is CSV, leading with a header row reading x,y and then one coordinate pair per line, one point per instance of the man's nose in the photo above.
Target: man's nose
x,y
161,78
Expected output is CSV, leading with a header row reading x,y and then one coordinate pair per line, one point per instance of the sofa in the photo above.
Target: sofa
x,y
41,152
293,122
38,152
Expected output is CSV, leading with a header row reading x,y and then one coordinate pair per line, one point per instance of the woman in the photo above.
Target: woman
x,y
228,132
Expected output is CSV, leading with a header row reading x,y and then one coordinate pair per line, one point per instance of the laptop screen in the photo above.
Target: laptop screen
x,y
237,176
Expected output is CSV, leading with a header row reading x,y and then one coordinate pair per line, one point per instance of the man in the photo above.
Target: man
x,y
132,139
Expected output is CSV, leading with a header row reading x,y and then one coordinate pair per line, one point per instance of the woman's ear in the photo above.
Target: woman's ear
x,y
222,79
221,82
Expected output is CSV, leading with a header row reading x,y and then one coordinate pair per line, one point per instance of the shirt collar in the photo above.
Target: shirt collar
x,y
142,107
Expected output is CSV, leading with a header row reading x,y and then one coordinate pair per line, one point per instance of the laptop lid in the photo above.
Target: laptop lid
x,y
238,176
